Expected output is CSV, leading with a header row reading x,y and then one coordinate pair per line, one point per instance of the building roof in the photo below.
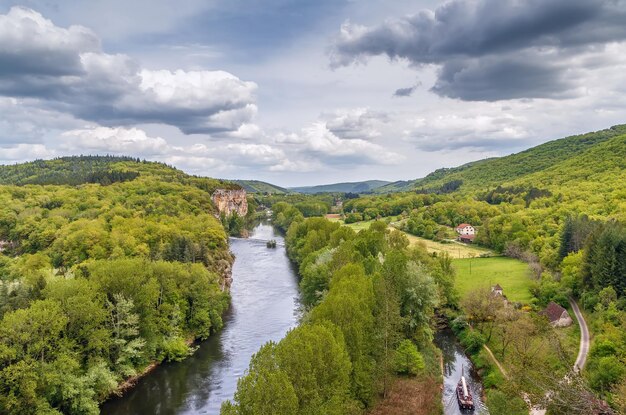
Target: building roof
x,y
463,225
497,287
553,311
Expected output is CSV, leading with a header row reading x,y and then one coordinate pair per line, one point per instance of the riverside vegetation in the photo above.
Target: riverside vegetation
x,y
370,302
108,265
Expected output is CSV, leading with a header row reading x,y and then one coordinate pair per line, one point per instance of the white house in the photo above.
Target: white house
x,y
465,229
497,290
466,232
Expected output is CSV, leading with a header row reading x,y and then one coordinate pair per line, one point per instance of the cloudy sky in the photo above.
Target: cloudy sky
x,y
300,92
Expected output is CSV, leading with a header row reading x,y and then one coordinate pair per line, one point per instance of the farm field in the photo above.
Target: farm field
x,y
454,249
511,274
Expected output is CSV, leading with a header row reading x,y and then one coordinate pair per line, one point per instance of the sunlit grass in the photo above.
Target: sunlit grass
x,y
512,275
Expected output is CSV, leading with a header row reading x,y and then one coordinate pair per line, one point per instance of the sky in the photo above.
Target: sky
x,y
304,92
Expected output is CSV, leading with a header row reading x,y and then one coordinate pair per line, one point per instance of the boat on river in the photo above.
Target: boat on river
x,y
464,396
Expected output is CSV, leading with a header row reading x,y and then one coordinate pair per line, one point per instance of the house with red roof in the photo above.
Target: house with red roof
x,y
466,232
557,315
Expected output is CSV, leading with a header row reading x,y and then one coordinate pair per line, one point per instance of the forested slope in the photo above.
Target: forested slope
x,y
348,187
256,186
496,171
98,281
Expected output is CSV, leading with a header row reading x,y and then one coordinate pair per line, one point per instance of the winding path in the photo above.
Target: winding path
x,y
583,349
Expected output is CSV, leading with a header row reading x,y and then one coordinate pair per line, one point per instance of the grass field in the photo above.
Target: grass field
x,y
454,249
511,274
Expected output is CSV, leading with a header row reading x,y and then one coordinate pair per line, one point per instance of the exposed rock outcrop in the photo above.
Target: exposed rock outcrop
x,y
230,201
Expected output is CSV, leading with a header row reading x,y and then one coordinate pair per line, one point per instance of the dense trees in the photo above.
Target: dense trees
x,y
370,297
97,282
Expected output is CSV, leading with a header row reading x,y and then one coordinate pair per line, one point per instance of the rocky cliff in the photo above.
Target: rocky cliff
x,y
230,201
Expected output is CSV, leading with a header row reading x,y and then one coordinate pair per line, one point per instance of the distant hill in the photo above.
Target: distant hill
x,y
256,186
104,170
497,171
351,187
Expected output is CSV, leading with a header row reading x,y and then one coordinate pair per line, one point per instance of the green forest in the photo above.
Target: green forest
x,y
107,266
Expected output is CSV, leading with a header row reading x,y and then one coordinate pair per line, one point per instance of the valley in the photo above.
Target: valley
x,y
144,248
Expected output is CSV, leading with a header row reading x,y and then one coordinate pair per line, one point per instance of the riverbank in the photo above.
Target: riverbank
x,y
264,306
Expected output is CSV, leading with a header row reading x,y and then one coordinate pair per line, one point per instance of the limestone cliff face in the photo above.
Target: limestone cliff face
x,y
230,201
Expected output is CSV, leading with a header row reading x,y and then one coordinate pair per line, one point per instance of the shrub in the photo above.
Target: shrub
x,y
175,349
408,360
459,324
501,404
605,372
472,341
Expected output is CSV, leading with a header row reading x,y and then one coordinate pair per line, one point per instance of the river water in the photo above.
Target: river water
x,y
264,307
454,362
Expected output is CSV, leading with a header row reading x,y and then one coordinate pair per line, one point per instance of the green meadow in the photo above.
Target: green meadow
x,y
512,275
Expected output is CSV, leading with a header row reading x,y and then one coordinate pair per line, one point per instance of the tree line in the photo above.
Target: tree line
x,y
369,301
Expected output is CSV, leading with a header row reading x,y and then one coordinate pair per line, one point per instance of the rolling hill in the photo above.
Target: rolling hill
x,y
105,170
497,171
257,186
351,187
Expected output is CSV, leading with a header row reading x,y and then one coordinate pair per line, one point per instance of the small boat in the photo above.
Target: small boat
x,y
463,395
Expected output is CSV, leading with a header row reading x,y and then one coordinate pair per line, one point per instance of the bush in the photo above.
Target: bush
x,y
459,324
605,372
408,360
353,217
175,349
501,404
472,341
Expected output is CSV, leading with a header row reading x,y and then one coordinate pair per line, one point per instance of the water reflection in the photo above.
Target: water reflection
x,y
264,307
454,362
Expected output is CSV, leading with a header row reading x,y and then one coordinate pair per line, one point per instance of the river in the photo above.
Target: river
x,y
454,362
264,307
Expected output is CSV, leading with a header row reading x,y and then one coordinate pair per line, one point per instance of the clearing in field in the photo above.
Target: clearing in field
x,y
456,250
512,275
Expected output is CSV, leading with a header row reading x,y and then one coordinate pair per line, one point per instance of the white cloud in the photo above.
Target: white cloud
x,y
360,123
196,90
117,140
318,141
66,69
25,152
26,34
477,131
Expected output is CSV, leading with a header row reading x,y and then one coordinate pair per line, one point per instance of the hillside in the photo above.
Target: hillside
x,y
347,187
590,182
108,265
257,186
496,171
104,170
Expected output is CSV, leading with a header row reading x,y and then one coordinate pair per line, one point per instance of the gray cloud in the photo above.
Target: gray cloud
x,y
404,92
361,123
475,131
491,49
502,77
66,70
